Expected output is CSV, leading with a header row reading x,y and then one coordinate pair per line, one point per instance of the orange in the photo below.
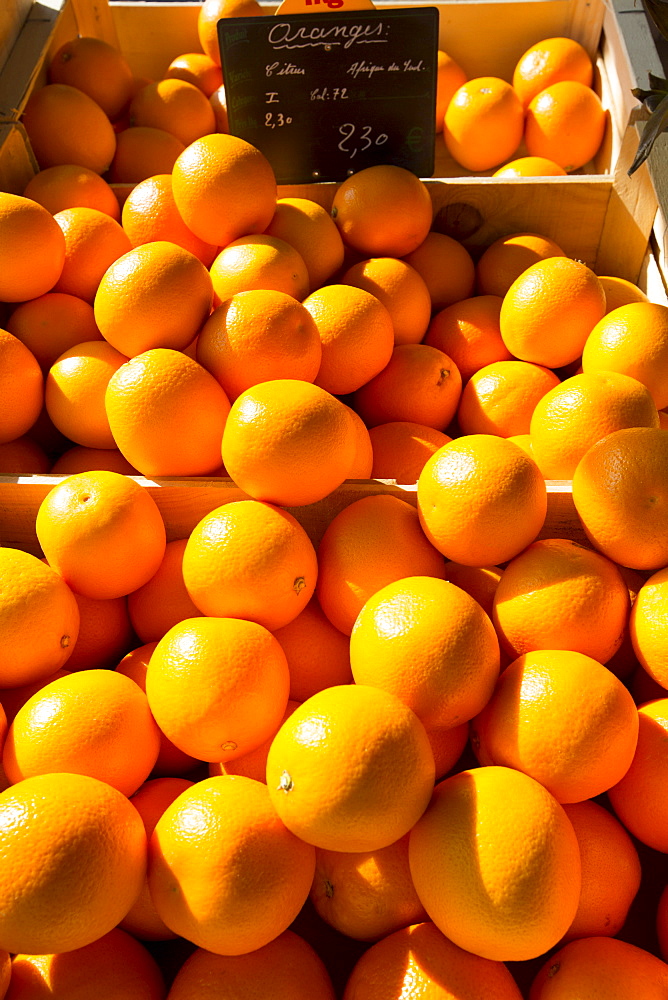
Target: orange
x,y
251,560
93,241
80,459
155,295
196,68
370,543
419,383
70,186
508,256
619,487
102,532
73,867
611,871
96,67
40,619
496,863
318,654
249,877
253,764
481,500
632,340
562,718
174,105
258,335
558,594
167,414
401,448
478,581
647,627
150,214
468,331
224,188
579,411
356,334
21,388
217,687
549,311
163,600
530,166
219,104
288,442
566,123
52,323
429,643
65,125
24,457
620,292
32,249
383,211
258,261
420,963
449,78
210,13
500,398
447,746
366,895
142,151
483,123
379,763
401,289
601,968
363,460
105,633
309,228
549,61
445,266
662,922
15,697
120,967
74,392
288,968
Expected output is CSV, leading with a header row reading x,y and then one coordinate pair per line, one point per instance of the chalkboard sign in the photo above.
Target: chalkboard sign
x,y
323,96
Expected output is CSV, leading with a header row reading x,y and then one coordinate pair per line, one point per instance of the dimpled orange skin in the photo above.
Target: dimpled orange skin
x,y
601,968
647,625
496,863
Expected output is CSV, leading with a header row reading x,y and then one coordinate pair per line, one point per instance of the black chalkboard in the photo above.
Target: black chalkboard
x,y
325,95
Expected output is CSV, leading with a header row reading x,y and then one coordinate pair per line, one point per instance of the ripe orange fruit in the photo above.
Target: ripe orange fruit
x,y
93,722
500,398
530,166
661,923
478,581
579,411
155,295
317,653
401,289
288,442
40,619
142,151
419,961
65,125
449,78
507,257
32,249
632,340
419,383
370,543
249,877
209,14
73,867
219,104
52,323
150,214
549,311
468,331
70,186
601,967
251,560
253,764
618,489
363,452
562,718
80,459
483,123
288,968
93,241
445,266
167,414
163,600
611,871
310,229
566,123
620,292
647,628
383,211
21,388
258,335
102,532
97,68
217,687
378,758
174,105
196,68
401,448
105,633
549,61
356,333
24,457
439,655
558,594
258,261
496,863
481,500
224,188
